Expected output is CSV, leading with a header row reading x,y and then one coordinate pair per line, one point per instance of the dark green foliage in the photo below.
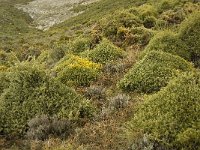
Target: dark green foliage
x,y
153,72
190,35
104,52
167,42
170,118
32,93
43,127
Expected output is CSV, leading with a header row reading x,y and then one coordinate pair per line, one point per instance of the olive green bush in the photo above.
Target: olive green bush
x,y
123,18
153,72
30,93
77,71
104,52
7,59
80,44
190,34
170,118
167,42
141,35
164,5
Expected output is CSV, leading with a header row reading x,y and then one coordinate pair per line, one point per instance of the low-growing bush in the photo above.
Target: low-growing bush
x,y
167,42
80,44
173,17
190,34
141,35
43,127
95,92
7,59
118,102
125,19
30,93
153,72
170,118
104,52
149,22
147,10
77,71
164,5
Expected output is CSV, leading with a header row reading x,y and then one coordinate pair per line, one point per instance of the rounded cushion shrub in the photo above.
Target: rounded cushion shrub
x,y
173,17
164,5
104,52
190,34
31,93
167,42
147,10
170,118
77,71
153,72
141,35
80,44
125,19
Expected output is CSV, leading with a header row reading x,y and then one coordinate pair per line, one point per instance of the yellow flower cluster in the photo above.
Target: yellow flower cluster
x,y
83,63
78,62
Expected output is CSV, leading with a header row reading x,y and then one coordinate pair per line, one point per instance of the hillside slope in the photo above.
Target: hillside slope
x,y
120,75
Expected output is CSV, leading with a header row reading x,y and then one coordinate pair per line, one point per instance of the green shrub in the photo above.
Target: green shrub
x,y
153,72
7,59
80,44
77,71
30,92
50,57
125,19
167,42
104,52
141,35
164,5
147,10
173,17
170,118
149,22
190,35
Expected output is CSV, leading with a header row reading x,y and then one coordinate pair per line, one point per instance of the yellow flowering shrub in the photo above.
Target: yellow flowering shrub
x,y
77,71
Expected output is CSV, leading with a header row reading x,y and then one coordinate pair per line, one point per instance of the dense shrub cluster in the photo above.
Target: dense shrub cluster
x,y
190,35
104,52
153,72
167,42
77,71
29,93
124,19
170,118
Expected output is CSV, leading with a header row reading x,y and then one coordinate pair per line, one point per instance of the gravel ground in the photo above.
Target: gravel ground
x,y
47,13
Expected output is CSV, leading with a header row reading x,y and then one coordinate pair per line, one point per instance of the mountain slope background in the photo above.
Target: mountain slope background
x,y
117,75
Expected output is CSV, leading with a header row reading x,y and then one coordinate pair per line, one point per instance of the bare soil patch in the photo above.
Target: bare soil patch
x,y
47,13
